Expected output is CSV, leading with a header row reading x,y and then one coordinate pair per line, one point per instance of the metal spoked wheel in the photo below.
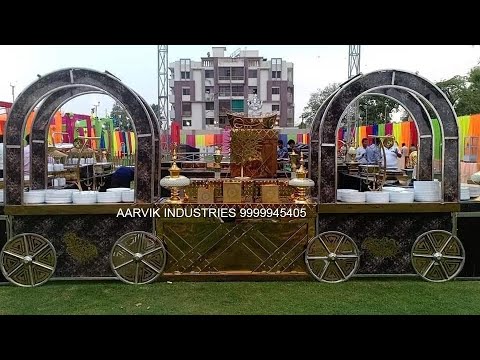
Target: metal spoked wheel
x,y
138,258
332,257
28,260
438,256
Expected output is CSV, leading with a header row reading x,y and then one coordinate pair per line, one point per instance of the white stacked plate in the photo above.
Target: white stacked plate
x,y
59,196
464,192
354,197
120,189
393,189
109,197
341,192
427,191
128,196
377,197
402,197
34,197
474,190
84,197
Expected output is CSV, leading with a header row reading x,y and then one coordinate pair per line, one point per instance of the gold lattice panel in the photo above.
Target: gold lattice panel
x,y
241,246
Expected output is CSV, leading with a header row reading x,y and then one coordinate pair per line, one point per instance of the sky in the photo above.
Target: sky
x,y
315,66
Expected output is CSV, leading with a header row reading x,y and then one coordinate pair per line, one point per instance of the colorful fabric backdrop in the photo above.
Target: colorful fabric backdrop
x,y
406,132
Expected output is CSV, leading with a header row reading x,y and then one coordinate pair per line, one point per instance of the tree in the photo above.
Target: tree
x,y
316,100
372,108
120,117
463,92
156,109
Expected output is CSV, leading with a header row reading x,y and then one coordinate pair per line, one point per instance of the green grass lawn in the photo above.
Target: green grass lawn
x,y
357,296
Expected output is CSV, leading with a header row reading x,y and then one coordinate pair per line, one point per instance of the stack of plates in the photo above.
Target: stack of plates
x,y
427,191
464,192
474,190
34,197
59,196
341,192
109,197
397,189
128,196
118,189
377,197
84,197
354,197
402,197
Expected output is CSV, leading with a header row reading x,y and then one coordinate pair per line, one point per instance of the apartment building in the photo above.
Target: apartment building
x,y
202,92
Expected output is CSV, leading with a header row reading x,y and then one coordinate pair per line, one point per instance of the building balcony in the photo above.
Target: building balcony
x,y
186,98
171,82
209,97
207,63
209,82
289,98
209,113
172,114
171,98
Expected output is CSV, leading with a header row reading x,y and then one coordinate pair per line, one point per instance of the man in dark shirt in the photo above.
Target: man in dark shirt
x,y
122,177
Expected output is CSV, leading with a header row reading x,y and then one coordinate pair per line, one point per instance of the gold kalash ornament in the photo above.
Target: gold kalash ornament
x,y
301,183
175,180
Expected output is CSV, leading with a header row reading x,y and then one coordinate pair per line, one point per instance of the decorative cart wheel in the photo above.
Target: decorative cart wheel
x,y
28,260
438,256
138,258
332,257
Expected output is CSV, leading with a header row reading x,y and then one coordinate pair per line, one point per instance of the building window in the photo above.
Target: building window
x,y
186,123
252,74
223,120
186,91
238,105
238,73
275,90
210,121
252,90
237,90
275,107
186,109
209,74
209,106
224,90
224,73
276,75
290,74
185,75
224,106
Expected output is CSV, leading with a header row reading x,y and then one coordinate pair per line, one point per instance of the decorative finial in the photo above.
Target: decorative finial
x,y
174,169
301,172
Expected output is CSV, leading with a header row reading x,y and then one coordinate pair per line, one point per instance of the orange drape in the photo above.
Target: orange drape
x,y
405,135
475,130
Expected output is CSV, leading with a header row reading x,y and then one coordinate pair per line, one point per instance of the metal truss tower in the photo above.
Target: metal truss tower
x,y
163,105
353,113
353,60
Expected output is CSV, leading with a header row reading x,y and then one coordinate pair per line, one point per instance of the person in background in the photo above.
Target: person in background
x,y
122,177
392,154
1,156
282,152
404,160
291,146
413,160
373,154
26,156
362,151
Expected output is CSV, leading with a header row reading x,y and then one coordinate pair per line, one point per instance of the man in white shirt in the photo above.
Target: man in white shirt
x,y
361,151
391,155
26,157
